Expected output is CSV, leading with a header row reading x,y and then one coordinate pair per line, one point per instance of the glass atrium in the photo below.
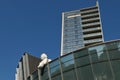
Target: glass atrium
x,y
96,62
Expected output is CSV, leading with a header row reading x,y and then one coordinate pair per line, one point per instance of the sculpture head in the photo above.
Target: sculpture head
x,y
43,56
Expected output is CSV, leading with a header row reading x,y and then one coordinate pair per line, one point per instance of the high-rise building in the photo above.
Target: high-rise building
x,y
81,28
26,66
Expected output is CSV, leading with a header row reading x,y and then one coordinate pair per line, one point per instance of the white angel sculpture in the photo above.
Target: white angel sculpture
x,y
44,61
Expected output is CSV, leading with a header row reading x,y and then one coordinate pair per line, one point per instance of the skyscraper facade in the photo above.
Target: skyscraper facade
x,y
81,28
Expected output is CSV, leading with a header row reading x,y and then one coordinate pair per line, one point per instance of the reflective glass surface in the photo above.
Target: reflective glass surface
x,y
44,75
113,50
55,67
100,62
85,73
67,62
72,31
102,71
81,53
98,53
83,61
58,77
116,69
70,75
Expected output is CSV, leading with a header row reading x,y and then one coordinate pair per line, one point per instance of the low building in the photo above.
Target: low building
x,y
26,66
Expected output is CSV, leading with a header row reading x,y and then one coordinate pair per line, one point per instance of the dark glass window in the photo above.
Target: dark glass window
x,y
82,61
67,58
85,73
112,46
44,75
54,67
116,69
70,75
113,50
98,53
67,62
81,53
102,71
57,78
118,46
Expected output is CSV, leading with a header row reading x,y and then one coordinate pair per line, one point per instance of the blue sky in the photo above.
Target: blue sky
x,y
34,26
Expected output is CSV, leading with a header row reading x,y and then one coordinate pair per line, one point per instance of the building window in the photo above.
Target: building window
x,y
116,69
102,71
85,73
45,76
58,77
54,67
67,62
98,53
70,75
113,50
82,61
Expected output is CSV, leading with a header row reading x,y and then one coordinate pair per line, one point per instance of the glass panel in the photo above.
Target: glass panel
x,y
45,76
82,61
114,54
68,65
102,71
70,75
81,53
55,70
35,75
67,62
54,67
118,45
57,78
113,50
113,45
98,53
44,73
85,73
116,69
67,58
54,63
72,21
